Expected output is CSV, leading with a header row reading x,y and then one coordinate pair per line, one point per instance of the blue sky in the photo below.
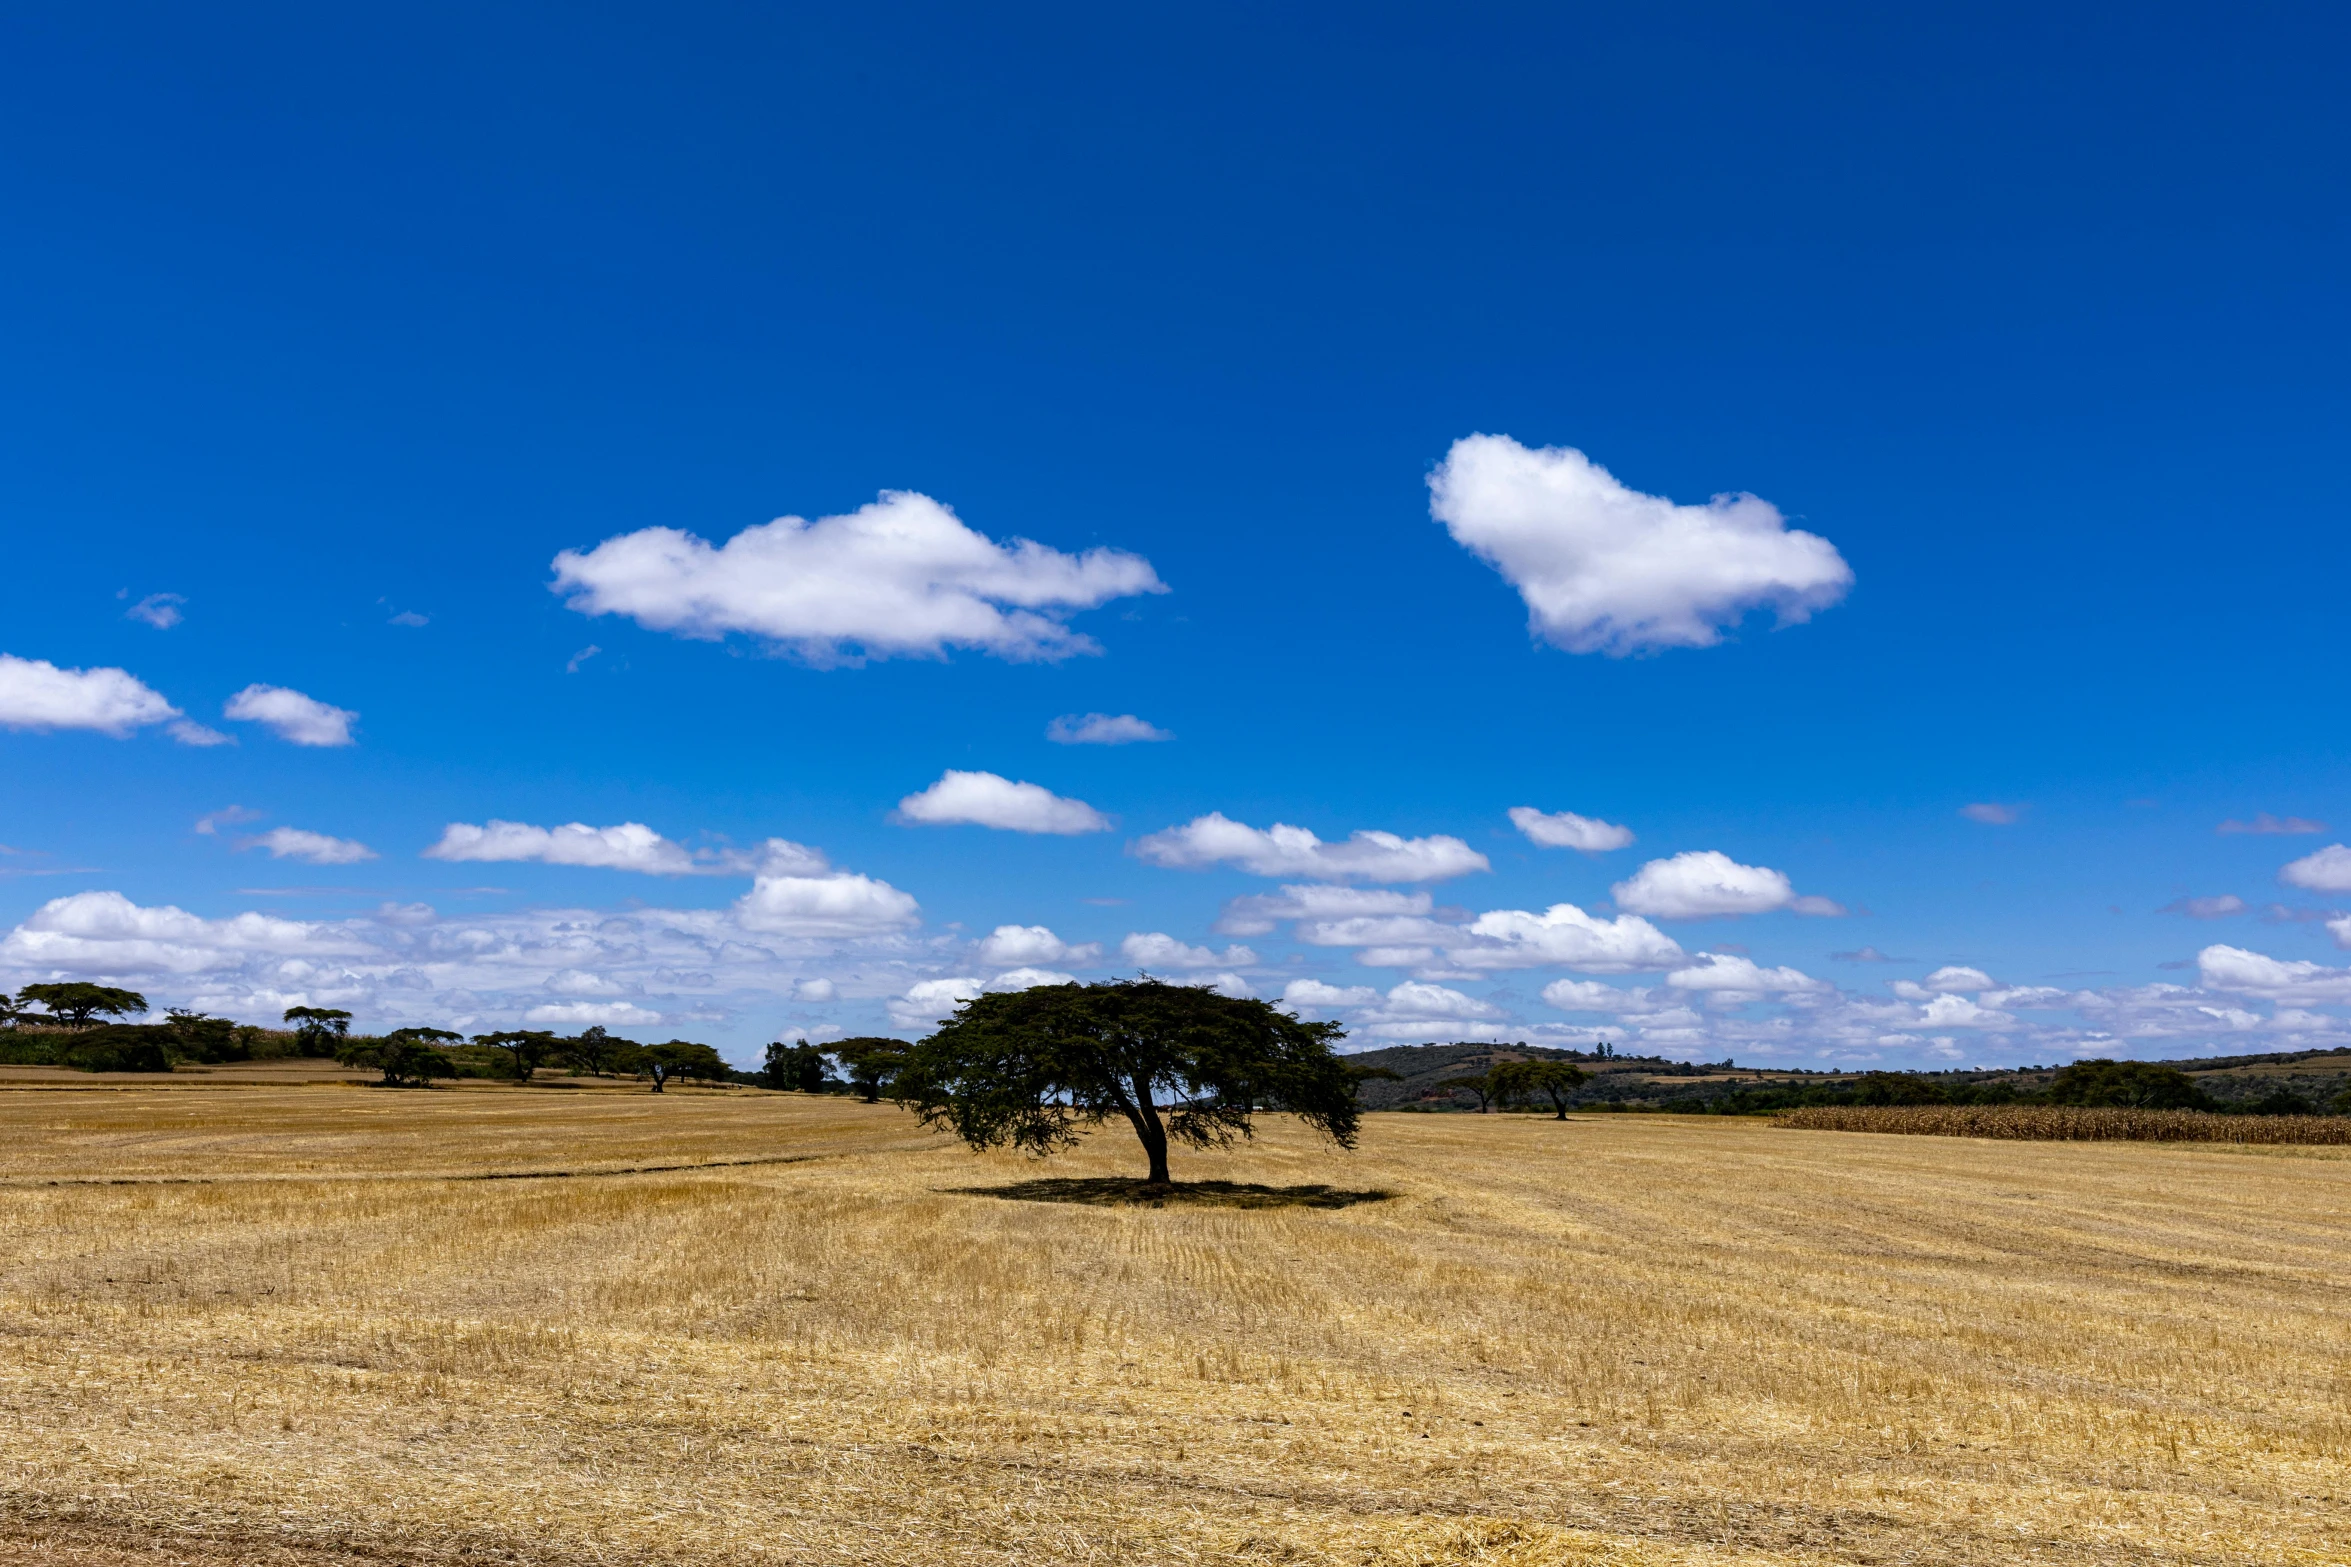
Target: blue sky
x,y
323,337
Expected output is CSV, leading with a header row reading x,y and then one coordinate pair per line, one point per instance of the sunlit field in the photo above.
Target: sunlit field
x,y
297,1324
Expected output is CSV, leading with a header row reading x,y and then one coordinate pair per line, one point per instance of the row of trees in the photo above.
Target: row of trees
x,y
2129,1085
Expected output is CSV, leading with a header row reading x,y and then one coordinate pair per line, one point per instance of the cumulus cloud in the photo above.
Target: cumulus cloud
x,y
2219,908
838,904
290,715
1567,830
2329,870
1606,569
1704,882
160,610
36,694
1958,1012
2265,823
580,1014
1992,813
986,800
96,933
902,577
926,1004
631,846
1030,979
1315,993
1283,850
1102,729
1019,944
1585,995
1157,950
1563,936
313,848
1729,972
1254,914
1415,1000
2276,979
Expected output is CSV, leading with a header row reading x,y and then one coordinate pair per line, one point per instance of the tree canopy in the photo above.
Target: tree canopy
x,y
1031,1069
525,1048
319,1028
871,1061
2138,1085
75,1003
1516,1081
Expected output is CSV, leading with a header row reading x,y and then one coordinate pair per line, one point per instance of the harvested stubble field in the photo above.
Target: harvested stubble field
x,y
302,1334
2071,1123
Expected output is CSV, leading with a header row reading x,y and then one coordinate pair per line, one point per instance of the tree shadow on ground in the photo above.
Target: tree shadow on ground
x,y
1112,1191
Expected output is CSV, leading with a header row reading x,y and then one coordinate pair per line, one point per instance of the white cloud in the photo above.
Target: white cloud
x,y
2278,979
2340,929
926,1003
1705,882
106,933
1254,914
1414,1000
1030,979
411,619
189,732
315,848
1102,729
1017,944
1283,850
228,816
292,716
1958,1012
2265,823
1157,950
160,610
1730,972
1232,985
1563,936
1992,813
1954,977
815,990
36,694
1606,569
2219,908
836,905
1315,993
579,982
1567,830
631,846
900,577
1584,995
986,800
579,1014
2329,870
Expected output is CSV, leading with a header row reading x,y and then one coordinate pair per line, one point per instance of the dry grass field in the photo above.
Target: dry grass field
x,y
295,1325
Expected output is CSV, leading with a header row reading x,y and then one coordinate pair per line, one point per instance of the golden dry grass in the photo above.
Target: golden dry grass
x,y
299,1337
2070,1123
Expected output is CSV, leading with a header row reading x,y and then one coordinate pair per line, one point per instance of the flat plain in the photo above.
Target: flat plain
x,y
327,1324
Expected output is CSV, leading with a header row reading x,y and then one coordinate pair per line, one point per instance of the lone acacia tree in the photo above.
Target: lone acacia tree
x,y
1514,1081
320,1029
871,1061
77,1004
1029,1068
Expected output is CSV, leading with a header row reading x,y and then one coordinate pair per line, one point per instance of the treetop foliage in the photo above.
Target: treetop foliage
x,y
1030,1069
75,1004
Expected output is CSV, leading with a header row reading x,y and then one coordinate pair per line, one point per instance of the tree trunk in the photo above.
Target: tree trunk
x,y
1152,1131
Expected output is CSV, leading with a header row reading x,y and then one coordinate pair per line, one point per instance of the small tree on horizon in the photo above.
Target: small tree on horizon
x,y
319,1029
1478,1083
1030,1069
798,1067
870,1061
1515,1081
525,1049
76,1003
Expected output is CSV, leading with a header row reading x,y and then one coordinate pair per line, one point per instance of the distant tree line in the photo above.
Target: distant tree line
x,y
2128,1085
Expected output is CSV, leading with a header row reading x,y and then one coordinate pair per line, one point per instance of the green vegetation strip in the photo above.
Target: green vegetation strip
x,y
2067,1123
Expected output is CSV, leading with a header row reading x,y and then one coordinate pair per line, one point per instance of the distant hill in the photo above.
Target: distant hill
x,y
1655,1083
